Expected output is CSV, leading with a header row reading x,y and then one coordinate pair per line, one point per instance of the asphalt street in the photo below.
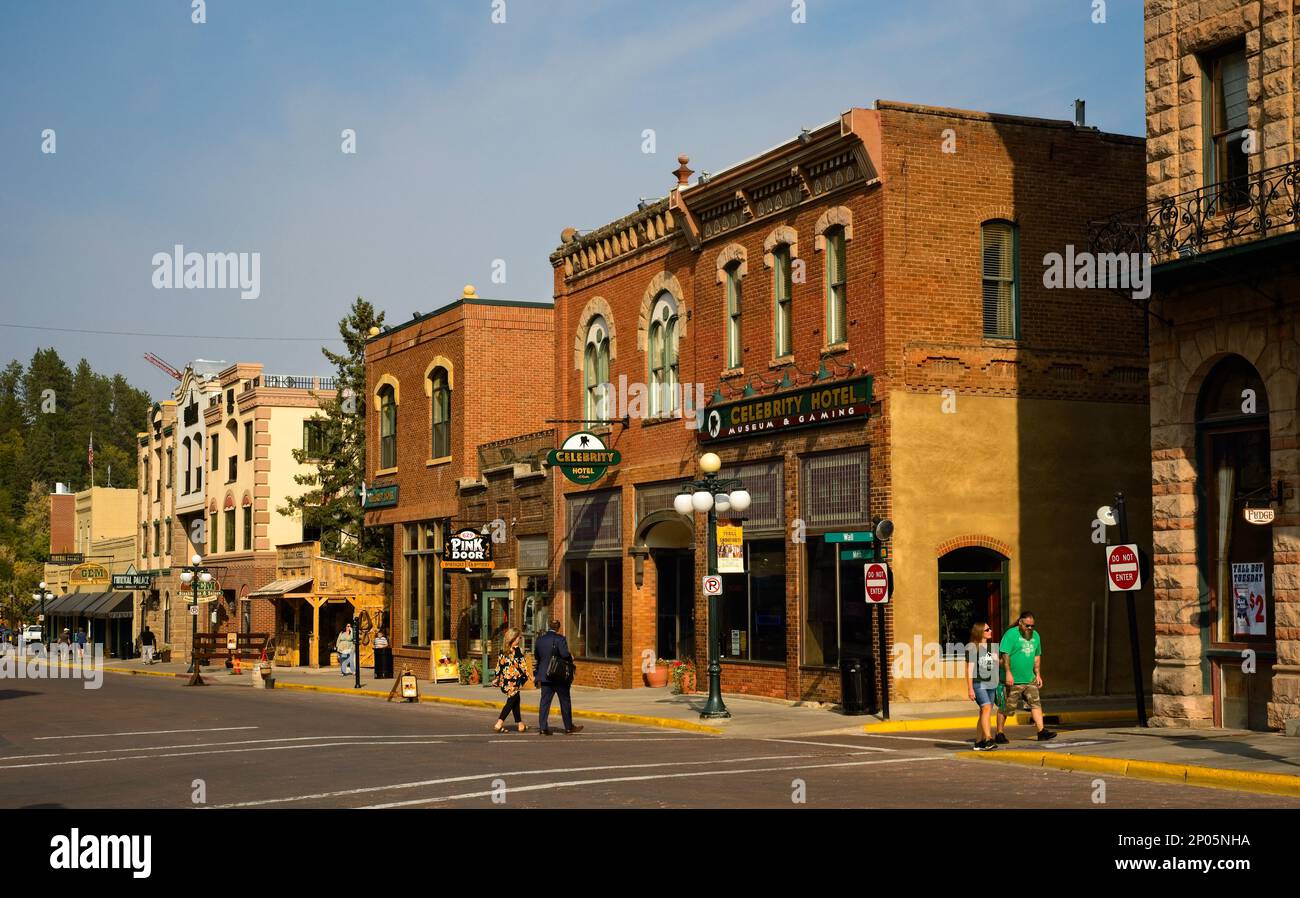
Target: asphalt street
x,y
141,742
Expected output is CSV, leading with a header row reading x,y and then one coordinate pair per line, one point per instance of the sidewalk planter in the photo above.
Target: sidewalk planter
x,y
470,673
657,676
683,677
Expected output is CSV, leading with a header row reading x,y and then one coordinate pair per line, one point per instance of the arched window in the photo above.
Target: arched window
x,y
1235,472
972,588
1000,265
836,295
664,397
735,333
440,396
387,427
595,371
198,462
782,288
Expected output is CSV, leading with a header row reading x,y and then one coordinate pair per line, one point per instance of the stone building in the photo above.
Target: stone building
x,y
859,321
1220,226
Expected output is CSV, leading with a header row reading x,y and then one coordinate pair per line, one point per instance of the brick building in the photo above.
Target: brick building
x,y
862,313
1220,225
438,387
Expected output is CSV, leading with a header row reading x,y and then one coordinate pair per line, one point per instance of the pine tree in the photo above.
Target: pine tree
x,y
336,463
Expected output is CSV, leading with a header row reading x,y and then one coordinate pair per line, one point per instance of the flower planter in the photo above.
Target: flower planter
x,y
657,676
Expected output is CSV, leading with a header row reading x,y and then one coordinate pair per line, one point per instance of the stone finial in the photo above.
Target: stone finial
x,y
568,235
683,173
468,292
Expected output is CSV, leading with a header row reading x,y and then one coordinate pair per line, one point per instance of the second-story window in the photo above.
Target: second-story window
x,y
664,397
440,393
1000,287
595,371
1228,116
216,450
248,441
189,464
387,427
782,288
170,462
232,431
836,296
198,463
735,333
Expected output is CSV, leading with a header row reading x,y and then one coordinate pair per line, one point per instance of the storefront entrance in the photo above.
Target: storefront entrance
x,y
488,619
675,597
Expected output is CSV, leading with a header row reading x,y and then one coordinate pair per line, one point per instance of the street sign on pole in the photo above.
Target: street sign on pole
x,y
850,537
712,585
857,554
876,579
1122,568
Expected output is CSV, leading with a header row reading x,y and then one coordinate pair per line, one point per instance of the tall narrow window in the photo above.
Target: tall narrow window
x,y
1001,293
230,529
735,353
663,356
836,298
441,397
1225,121
248,528
595,371
782,287
170,468
387,427
198,463
212,532
215,443
248,441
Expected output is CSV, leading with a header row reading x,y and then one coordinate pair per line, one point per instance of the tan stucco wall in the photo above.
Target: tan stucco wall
x,y
286,436
1030,474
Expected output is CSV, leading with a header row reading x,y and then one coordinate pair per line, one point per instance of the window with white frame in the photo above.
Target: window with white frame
x,y
664,397
595,371
782,288
735,334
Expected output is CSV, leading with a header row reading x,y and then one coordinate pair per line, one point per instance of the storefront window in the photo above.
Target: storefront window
x,y
821,645
422,576
972,588
753,605
537,609
595,624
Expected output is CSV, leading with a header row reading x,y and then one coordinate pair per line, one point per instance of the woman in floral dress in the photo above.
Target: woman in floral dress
x,y
512,673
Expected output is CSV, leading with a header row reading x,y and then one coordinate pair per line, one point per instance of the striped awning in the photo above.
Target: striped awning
x,y
113,604
280,587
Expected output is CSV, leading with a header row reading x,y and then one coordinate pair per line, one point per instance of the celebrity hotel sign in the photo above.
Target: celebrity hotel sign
x,y
833,403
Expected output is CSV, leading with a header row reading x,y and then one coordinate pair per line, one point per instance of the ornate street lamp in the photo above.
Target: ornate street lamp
x,y
709,496
193,575
43,596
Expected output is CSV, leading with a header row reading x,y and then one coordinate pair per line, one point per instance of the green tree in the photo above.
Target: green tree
x,y
335,465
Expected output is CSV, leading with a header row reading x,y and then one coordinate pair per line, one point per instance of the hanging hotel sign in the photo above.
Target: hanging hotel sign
x,y
1259,515
380,496
89,575
67,558
467,550
829,403
583,457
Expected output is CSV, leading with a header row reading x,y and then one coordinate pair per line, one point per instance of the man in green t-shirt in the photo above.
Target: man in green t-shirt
x,y
1022,654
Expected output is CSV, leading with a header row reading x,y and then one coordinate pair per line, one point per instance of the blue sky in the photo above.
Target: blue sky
x,y
475,141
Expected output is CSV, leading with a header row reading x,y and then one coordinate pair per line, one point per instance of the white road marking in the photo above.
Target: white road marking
x,y
920,739
105,751
480,776
143,733
182,754
862,748
568,784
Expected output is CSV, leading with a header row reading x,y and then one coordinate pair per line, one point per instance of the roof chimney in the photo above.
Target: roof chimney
x,y
1078,114
683,173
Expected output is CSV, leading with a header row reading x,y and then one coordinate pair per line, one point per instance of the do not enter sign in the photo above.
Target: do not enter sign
x,y
876,579
1122,568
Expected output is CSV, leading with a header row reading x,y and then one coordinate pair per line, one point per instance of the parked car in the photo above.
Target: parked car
x,y
31,634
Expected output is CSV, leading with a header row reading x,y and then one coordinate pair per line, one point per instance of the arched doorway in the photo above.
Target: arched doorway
x,y
670,540
1234,472
973,586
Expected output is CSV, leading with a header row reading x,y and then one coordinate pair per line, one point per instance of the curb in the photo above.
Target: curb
x,y
1155,771
931,724
668,723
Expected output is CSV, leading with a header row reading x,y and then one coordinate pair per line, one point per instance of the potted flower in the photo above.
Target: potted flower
x,y
657,676
683,676
470,673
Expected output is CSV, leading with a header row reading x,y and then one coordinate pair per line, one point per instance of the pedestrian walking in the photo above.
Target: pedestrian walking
x,y
553,673
80,639
345,646
982,682
147,644
511,675
1022,655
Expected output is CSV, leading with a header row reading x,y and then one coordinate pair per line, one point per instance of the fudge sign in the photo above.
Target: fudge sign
x,y
468,550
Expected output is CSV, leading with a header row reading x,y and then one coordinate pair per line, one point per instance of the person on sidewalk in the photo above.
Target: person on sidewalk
x,y
147,644
80,640
344,645
511,675
552,645
982,682
1022,655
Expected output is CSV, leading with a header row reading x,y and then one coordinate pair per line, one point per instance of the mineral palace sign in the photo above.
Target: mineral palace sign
x,y
832,403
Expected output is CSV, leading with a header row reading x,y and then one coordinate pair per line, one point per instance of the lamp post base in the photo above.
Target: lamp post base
x,y
714,713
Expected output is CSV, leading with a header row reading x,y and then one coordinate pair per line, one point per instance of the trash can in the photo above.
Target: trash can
x,y
852,686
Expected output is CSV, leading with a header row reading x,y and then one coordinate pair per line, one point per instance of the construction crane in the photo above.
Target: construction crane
x,y
161,365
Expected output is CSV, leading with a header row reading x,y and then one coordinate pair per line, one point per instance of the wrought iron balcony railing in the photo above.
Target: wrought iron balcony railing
x,y
1214,217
